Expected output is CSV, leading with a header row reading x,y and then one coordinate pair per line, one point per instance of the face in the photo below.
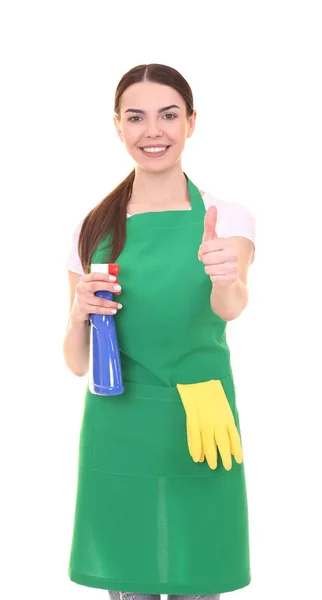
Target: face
x,y
153,125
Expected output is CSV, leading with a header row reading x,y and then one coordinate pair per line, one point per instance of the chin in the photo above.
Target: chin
x,y
155,166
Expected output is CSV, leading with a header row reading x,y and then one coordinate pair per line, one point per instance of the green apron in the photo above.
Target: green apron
x,y
147,518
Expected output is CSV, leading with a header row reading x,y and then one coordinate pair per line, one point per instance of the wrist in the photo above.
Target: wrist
x,y
78,319
222,285
229,300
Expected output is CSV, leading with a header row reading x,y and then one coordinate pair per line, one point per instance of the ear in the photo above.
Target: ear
x,y
118,128
191,123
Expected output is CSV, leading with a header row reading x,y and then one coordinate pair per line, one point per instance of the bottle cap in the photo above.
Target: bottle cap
x,y
111,269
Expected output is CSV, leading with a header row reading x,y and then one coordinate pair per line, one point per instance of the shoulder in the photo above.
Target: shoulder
x,y
73,260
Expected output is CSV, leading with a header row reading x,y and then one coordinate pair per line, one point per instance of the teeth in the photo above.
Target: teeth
x,y
154,149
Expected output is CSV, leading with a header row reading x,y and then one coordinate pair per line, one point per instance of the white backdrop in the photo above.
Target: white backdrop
x,y
255,71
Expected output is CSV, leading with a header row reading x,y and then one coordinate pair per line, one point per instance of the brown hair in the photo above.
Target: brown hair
x,y
109,216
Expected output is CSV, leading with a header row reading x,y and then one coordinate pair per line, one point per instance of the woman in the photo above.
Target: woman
x,y
161,501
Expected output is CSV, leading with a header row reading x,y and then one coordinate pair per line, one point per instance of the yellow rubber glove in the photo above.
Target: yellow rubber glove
x,y
210,423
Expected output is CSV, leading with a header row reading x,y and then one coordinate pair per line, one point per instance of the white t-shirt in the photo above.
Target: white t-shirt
x,y
233,219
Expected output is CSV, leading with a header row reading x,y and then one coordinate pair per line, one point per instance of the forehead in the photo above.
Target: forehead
x,y
150,96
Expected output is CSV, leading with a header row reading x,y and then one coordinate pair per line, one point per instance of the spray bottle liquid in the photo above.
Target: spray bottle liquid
x,y
105,374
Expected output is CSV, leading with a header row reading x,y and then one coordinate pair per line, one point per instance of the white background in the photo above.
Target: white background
x,y
255,71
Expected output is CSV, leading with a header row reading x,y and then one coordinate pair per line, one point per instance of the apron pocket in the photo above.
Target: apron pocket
x,y
141,435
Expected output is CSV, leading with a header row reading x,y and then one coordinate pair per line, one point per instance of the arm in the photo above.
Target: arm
x,y
77,340
229,300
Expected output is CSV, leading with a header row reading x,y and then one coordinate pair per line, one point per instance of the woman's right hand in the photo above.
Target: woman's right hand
x,y
86,303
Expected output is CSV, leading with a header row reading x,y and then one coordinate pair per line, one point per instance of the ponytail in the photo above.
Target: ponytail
x,y
107,218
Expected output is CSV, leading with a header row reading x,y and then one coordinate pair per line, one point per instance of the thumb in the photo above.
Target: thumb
x,y
210,224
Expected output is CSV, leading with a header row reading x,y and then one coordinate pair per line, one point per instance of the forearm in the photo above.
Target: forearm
x,y
76,347
228,301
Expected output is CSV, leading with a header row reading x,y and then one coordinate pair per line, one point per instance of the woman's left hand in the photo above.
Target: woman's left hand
x,y
218,254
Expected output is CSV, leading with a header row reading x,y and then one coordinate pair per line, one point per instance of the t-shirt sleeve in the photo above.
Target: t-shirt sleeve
x,y
234,219
73,260
240,221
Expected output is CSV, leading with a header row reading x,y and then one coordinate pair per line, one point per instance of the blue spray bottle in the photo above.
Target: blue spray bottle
x,y
105,374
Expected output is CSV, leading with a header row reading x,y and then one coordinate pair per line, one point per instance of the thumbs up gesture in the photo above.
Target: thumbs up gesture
x,y
218,254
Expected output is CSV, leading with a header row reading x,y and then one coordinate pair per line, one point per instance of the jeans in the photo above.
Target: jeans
x,y
130,596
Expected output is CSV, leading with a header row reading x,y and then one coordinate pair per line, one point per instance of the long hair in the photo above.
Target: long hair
x,y
108,218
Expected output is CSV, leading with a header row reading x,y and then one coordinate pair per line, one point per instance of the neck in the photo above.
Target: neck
x,y
160,191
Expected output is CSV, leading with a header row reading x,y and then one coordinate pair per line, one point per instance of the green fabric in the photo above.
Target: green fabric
x,y
148,519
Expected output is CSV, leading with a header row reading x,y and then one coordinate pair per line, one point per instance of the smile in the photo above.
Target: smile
x,y
155,151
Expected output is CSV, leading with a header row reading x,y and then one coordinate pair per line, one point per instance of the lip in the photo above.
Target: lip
x,y
155,155
155,146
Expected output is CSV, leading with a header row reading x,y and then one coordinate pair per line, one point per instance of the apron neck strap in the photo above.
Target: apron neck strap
x,y
197,203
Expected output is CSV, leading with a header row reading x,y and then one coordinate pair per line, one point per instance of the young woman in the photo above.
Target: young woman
x,y
161,501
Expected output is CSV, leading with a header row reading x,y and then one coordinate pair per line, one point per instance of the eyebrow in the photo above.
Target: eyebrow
x,y
142,112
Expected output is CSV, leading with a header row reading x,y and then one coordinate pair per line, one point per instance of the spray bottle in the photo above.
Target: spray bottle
x,y
105,374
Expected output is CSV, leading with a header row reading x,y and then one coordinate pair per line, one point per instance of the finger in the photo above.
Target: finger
x,y
202,456
210,224
223,443
210,449
194,442
235,443
219,275
100,286
98,277
103,307
219,257
217,245
223,270
98,310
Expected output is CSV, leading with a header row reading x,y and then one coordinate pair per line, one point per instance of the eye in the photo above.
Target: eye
x,y
134,119
169,116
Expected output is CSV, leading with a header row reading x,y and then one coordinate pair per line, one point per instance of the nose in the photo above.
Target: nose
x,y
153,129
